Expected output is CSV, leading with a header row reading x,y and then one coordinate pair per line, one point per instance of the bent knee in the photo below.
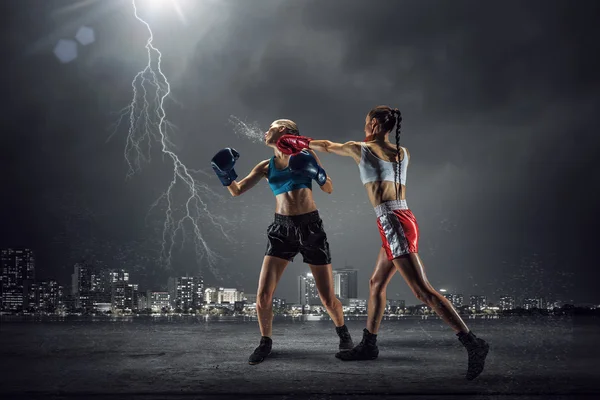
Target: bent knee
x,y
377,286
330,301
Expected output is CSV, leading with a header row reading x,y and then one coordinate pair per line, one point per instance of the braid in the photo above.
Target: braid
x,y
388,117
397,177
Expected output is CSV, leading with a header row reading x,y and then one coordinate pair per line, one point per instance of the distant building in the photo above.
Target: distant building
x,y
124,296
81,286
101,284
345,283
250,298
186,292
278,303
229,295
307,290
157,301
530,303
358,305
142,301
49,296
17,267
478,302
211,295
395,305
118,275
507,303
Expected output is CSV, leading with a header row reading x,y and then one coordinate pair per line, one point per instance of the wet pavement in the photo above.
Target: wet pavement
x,y
530,358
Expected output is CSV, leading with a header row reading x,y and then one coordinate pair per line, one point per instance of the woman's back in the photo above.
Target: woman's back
x,y
381,174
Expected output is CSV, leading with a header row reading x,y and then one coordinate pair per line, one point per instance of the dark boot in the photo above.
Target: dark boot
x,y
477,349
345,339
366,350
262,351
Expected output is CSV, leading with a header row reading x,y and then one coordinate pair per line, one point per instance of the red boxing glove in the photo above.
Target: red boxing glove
x,y
292,144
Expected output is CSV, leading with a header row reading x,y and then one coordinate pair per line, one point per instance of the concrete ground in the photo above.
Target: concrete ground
x,y
530,358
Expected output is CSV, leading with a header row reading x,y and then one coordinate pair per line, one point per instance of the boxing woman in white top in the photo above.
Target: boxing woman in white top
x,y
382,166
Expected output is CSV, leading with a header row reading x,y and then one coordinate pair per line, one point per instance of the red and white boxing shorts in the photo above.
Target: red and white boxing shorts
x,y
398,228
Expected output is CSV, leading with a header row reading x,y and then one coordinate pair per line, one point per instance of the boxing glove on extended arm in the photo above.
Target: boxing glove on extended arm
x,y
292,144
223,163
305,164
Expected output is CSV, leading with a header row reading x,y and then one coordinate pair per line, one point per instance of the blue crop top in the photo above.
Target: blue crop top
x,y
284,180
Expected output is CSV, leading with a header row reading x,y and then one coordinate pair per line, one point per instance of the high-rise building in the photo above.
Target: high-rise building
x,y
81,286
507,303
18,274
307,290
186,292
101,284
123,293
478,302
530,303
345,283
124,296
48,296
118,275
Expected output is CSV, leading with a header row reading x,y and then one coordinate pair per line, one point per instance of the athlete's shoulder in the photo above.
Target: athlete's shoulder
x,y
352,143
354,147
263,166
406,151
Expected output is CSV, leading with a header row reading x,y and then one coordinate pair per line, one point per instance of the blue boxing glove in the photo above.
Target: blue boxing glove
x,y
223,162
305,164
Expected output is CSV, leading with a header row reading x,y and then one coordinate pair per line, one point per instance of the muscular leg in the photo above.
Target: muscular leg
x,y
270,274
411,268
323,275
367,349
384,270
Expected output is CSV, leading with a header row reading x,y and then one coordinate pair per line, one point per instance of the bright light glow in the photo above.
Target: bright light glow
x,y
148,123
161,4
443,290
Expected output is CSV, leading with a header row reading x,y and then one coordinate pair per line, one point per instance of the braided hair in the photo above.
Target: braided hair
x,y
388,118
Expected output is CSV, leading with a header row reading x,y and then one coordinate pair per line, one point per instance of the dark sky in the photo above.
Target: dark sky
x,y
499,101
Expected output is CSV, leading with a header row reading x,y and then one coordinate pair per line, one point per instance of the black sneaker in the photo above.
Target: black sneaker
x,y
478,350
366,350
345,339
261,352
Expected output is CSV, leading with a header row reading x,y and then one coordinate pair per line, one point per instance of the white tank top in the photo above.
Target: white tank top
x,y
374,169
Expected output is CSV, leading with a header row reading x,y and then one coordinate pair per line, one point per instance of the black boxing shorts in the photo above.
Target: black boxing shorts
x,y
289,235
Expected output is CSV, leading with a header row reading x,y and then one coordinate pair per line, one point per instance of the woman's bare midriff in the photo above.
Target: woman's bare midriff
x,y
296,202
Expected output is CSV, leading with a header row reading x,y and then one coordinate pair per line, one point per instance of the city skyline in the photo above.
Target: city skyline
x,y
100,288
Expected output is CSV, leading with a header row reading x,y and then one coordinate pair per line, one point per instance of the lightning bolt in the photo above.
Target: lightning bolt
x,y
147,123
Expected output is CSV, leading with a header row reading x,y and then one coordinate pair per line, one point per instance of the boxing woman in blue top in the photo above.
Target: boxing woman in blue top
x,y
297,227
